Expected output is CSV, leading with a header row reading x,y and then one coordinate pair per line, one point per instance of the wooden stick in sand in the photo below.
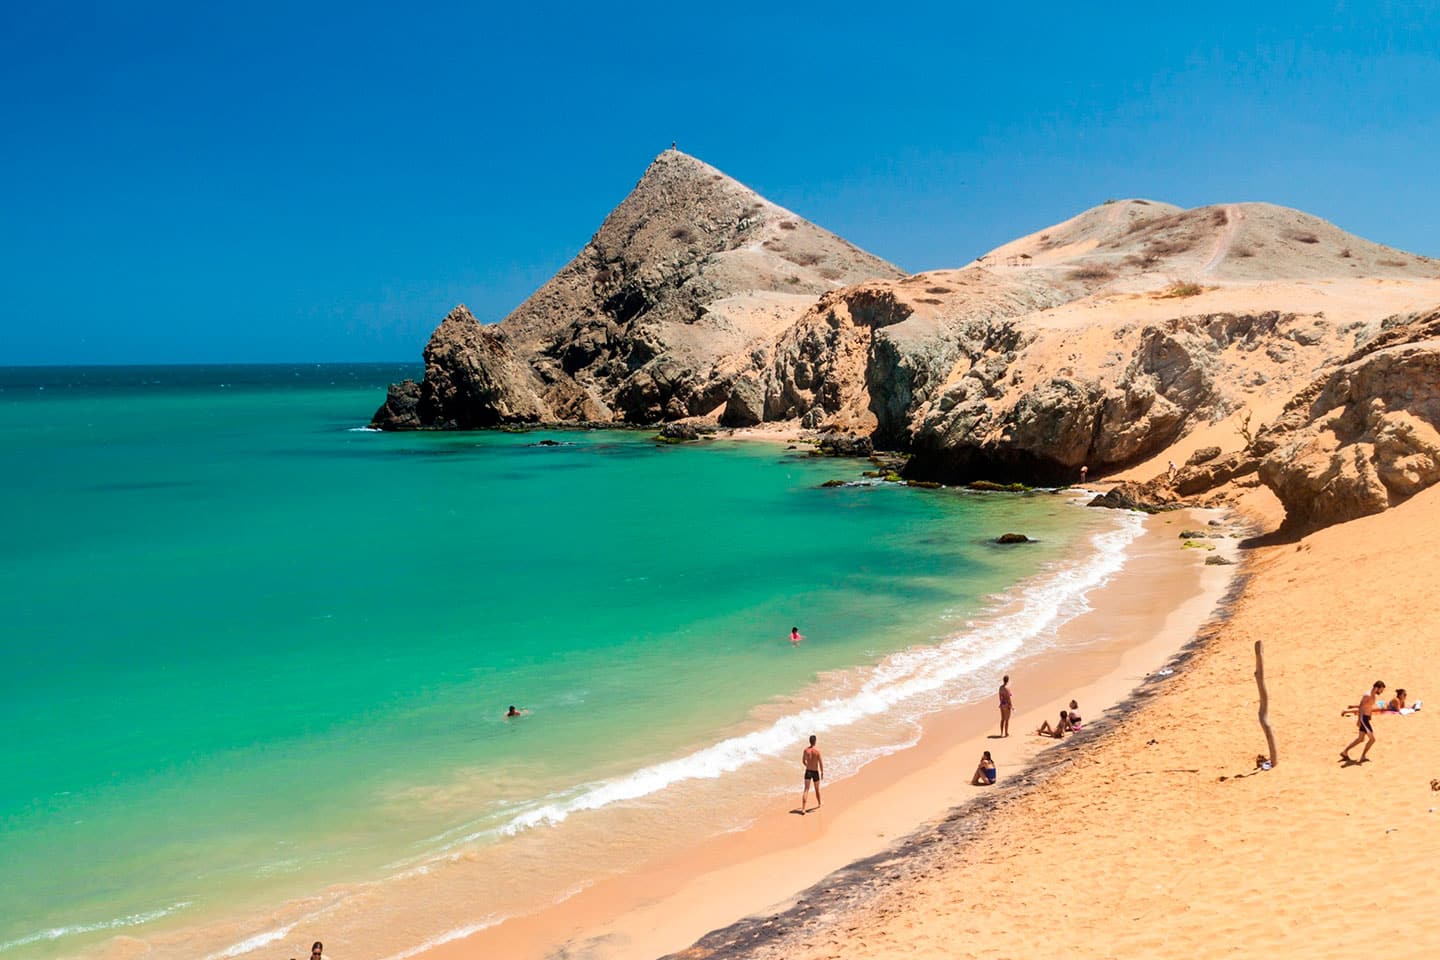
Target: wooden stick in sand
x,y
1264,701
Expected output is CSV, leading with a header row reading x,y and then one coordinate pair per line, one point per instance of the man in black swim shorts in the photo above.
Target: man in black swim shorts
x,y
1363,722
814,770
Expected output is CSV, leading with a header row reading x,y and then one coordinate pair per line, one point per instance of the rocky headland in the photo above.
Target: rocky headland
x,y
1301,356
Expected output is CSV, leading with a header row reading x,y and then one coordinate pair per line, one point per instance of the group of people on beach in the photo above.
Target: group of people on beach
x,y
1069,722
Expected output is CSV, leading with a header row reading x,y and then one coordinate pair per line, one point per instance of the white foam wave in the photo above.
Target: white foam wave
x,y
250,944
918,676
364,430
459,933
57,933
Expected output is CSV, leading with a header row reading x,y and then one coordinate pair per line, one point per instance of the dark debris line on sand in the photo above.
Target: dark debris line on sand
x,y
816,911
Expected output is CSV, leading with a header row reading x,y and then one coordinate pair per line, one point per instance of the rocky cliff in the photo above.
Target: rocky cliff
x,y
1101,342
653,320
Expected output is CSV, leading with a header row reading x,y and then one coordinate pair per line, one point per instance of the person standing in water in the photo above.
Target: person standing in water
x,y
795,637
814,766
1006,705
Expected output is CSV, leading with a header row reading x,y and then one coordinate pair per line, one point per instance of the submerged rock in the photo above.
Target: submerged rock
x,y
1013,538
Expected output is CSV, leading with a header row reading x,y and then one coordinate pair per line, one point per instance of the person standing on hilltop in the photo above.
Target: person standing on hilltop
x,y
814,766
1007,704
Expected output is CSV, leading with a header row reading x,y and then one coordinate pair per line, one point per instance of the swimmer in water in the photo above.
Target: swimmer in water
x,y
795,637
515,713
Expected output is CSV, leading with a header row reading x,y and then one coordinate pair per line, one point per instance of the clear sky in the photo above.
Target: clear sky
x,y
202,182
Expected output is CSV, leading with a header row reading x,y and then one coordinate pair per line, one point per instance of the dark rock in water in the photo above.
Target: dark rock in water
x,y
992,487
924,484
1203,455
681,431
835,483
1215,560
401,408
548,443
1193,535
1013,538
843,445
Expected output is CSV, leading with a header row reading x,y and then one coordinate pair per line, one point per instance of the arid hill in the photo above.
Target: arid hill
x,y
1134,331
691,270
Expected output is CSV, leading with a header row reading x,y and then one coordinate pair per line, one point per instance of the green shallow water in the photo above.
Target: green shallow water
x,y
243,635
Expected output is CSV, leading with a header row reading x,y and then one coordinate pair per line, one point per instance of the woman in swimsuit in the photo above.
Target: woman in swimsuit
x,y
1074,715
984,773
1061,728
1006,705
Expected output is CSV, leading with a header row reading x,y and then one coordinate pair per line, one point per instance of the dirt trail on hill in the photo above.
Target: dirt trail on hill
x,y
1226,239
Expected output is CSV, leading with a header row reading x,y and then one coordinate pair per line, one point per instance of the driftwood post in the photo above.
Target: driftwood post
x,y
1264,702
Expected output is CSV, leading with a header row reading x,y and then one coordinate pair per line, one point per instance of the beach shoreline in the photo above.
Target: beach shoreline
x,y
1137,621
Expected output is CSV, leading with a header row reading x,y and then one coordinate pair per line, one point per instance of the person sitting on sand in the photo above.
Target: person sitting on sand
x,y
317,951
1074,715
1062,727
984,773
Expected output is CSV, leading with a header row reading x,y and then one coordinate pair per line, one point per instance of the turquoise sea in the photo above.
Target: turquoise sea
x,y
257,658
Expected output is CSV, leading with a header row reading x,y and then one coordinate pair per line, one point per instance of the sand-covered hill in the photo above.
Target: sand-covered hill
x,y
1133,328
691,269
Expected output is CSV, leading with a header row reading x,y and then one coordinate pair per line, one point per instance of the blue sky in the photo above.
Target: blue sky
x,y
270,182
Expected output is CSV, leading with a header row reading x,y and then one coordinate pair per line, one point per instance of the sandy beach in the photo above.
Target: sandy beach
x,y
1159,837
1138,621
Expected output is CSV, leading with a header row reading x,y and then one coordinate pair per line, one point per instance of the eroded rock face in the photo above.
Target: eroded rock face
x,y
698,300
999,421
654,320
1358,440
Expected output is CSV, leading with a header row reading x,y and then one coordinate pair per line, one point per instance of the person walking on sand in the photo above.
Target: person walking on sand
x,y
814,770
1007,704
1084,471
795,637
1363,722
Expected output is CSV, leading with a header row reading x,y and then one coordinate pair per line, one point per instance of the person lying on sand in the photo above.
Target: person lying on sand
x,y
1398,702
984,773
1062,727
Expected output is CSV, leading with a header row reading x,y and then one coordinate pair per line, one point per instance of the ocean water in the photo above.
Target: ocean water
x,y
257,658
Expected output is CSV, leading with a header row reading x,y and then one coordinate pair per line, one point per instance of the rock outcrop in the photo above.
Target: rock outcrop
x,y
1099,342
668,312
1363,437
